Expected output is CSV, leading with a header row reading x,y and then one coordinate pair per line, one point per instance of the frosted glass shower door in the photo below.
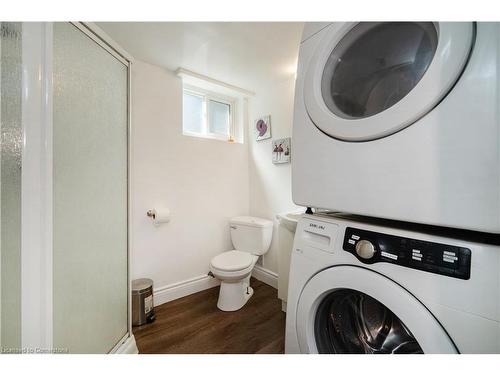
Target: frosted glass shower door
x,y
90,257
10,185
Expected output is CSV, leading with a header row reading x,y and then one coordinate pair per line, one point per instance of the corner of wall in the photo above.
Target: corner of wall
x,y
270,184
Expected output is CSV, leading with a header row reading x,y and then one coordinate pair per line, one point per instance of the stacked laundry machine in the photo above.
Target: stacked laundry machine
x,y
396,141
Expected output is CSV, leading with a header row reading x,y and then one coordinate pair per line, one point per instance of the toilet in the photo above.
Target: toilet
x,y
251,237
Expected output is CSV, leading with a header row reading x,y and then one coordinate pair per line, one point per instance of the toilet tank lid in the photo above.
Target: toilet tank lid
x,y
251,221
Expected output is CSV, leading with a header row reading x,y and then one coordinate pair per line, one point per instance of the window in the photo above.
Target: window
x,y
213,109
208,115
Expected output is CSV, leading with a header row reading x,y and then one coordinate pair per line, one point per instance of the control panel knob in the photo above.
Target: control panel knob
x,y
365,249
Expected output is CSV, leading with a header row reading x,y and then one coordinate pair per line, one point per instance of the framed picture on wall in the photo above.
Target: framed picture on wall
x,y
262,128
282,150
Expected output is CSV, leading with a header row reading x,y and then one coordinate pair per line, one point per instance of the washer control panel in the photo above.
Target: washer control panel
x,y
371,247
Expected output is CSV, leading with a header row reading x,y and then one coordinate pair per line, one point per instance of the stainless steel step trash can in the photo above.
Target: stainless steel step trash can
x,y
142,302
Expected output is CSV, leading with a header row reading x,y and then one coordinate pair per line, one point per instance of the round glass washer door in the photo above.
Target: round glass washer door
x,y
353,310
351,322
371,79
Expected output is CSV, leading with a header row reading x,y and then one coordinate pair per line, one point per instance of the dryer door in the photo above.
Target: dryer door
x,y
347,309
371,79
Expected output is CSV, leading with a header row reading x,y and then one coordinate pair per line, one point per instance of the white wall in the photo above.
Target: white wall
x,y
203,182
270,184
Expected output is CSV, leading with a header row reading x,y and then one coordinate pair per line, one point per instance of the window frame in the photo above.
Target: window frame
x,y
208,96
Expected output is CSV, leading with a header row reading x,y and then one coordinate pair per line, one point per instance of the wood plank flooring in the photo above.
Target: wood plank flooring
x,y
194,324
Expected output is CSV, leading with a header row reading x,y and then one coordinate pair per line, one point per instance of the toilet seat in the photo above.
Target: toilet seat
x,y
233,260
233,269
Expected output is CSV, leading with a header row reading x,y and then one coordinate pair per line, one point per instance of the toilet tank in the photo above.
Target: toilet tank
x,y
251,234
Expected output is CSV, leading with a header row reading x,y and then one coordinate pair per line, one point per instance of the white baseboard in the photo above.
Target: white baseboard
x,y
266,276
127,347
184,288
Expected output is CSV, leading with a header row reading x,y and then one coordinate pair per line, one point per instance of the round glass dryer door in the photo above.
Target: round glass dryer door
x,y
348,309
349,321
375,65
368,80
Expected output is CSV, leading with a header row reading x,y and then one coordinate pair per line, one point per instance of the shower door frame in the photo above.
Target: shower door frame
x,y
37,189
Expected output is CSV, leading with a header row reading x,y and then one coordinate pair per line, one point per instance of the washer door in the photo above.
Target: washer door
x,y
371,79
347,309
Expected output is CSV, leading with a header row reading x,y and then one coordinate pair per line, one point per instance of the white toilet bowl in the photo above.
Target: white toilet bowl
x,y
251,237
233,269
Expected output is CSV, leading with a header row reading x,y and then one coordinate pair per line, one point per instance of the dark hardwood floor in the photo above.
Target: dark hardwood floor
x,y
194,324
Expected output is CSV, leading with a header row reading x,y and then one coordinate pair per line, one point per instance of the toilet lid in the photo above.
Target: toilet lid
x,y
233,260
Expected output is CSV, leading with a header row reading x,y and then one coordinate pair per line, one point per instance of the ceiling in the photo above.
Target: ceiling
x,y
246,54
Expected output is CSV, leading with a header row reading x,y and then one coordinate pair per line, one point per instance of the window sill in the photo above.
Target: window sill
x,y
210,137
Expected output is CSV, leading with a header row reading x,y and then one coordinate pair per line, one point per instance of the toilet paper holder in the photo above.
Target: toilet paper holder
x,y
159,216
151,214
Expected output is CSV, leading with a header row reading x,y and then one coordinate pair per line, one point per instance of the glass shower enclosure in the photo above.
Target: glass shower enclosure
x,y
64,167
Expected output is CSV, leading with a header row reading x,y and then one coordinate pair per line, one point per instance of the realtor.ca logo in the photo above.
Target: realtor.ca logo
x,y
34,350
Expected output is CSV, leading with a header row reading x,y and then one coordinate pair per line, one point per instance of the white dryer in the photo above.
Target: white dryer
x,y
400,120
365,287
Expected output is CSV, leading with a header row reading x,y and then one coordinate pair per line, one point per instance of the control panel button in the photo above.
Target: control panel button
x,y
389,255
365,249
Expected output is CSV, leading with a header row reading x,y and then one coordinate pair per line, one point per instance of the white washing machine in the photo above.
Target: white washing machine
x,y
365,287
400,120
